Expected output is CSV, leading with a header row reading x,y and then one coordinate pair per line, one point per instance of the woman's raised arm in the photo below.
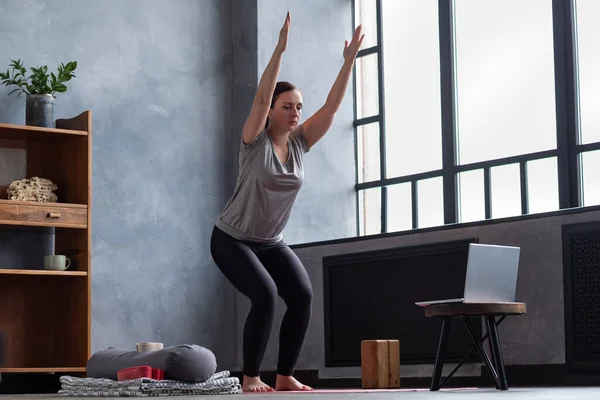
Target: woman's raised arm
x,y
255,122
318,124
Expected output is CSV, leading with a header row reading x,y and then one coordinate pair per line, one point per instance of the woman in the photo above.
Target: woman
x,y
246,242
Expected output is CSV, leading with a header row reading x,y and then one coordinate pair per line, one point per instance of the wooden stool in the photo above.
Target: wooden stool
x,y
380,364
489,311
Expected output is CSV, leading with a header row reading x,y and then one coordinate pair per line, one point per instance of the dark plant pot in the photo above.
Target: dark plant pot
x,y
39,110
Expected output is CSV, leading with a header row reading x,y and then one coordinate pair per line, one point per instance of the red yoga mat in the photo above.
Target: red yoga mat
x,y
359,390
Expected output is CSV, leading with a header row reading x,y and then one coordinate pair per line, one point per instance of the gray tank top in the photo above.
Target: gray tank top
x,y
265,190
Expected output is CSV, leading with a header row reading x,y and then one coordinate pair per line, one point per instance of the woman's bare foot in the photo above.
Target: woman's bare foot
x,y
254,384
289,383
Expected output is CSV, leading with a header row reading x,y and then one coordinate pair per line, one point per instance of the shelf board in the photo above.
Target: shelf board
x,y
42,224
24,132
43,369
41,272
42,204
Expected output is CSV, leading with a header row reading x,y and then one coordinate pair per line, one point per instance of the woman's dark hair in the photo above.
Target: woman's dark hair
x,y
280,87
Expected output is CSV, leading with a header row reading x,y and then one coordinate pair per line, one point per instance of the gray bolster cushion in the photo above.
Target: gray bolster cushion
x,y
186,362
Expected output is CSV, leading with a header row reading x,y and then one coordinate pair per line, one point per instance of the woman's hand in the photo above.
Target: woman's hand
x,y
283,34
350,50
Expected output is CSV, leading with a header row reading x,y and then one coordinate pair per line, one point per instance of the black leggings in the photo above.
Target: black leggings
x,y
261,272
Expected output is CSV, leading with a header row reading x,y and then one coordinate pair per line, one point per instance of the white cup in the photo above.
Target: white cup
x,y
143,347
57,263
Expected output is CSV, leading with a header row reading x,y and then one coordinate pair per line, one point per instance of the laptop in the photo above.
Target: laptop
x,y
491,275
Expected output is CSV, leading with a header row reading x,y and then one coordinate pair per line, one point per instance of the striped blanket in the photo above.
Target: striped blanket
x,y
219,383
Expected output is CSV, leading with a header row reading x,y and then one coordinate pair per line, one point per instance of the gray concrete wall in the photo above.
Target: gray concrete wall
x,y
157,76
535,338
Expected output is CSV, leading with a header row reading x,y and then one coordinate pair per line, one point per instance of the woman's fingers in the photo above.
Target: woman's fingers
x,y
357,32
283,34
287,22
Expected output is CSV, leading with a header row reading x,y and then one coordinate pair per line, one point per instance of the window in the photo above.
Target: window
x,y
542,192
413,133
590,165
504,78
468,110
588,32
588,68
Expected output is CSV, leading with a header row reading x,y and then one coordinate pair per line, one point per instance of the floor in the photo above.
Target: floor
x,y
575,393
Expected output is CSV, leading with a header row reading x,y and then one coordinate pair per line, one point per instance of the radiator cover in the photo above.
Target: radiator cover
x,y
372,295
581,276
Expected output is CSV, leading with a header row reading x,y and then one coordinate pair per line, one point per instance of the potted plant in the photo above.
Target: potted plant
x,y
40,88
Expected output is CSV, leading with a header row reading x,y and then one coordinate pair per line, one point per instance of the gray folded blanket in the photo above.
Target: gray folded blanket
x,y
219,383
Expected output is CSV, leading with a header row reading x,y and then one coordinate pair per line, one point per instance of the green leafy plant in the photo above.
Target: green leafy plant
x,y
39,81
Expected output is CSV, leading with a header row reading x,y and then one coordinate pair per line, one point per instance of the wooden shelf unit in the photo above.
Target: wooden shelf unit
x,y
45,318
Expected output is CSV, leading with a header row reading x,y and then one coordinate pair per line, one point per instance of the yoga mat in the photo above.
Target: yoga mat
x,y
359,390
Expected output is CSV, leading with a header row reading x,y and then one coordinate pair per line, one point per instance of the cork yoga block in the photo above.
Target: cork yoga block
x,y
380,364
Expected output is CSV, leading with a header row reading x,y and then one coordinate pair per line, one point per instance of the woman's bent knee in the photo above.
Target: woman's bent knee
x,y
301,298
264,297
306,297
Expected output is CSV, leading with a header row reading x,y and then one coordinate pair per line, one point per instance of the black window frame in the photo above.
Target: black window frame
x,y
567,151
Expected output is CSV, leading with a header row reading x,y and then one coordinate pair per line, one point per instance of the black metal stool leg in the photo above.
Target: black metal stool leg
x,y
482,354
497,352
483,339
441,352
